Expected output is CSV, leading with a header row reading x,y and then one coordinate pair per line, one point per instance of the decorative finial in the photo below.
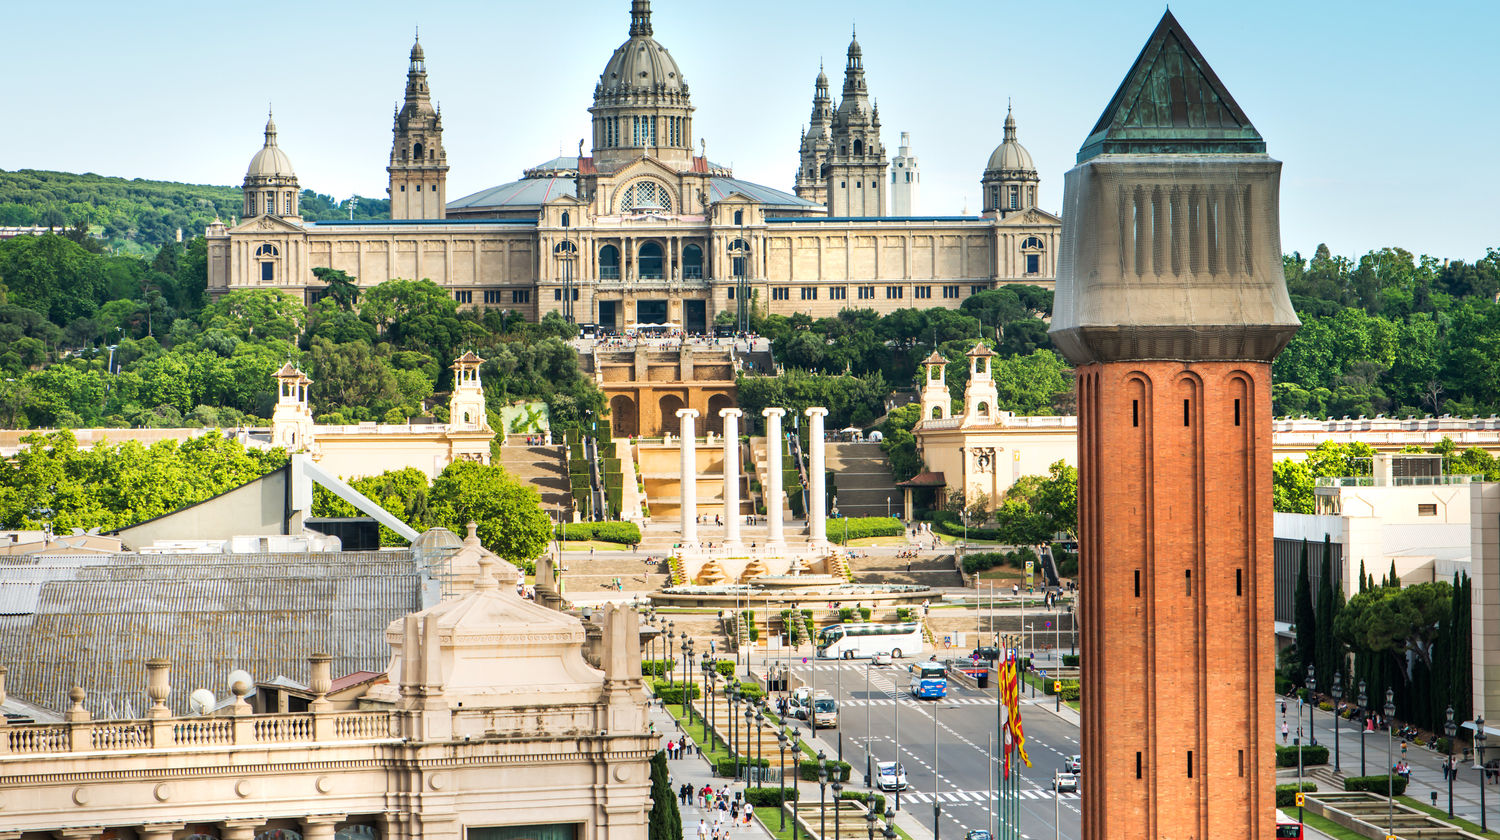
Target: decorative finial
x,y
417,33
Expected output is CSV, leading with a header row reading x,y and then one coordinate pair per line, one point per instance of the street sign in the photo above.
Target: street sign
x,y
1300,797
1057,687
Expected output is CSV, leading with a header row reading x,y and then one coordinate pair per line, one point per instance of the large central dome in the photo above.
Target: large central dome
x,y
640,65
641,104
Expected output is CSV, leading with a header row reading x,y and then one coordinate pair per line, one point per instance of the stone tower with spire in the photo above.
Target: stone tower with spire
x,y
270,187
906,179
856,158
810,183
1171,304
1010,180
419,166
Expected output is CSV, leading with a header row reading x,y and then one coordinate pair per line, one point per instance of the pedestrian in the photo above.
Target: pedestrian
x,y
671,749
702,830
749,812
1446,771
1283,731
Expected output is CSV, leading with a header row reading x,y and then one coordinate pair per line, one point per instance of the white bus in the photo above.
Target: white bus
x,y
861,640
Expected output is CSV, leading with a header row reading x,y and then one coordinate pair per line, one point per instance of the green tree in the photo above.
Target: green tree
x,y
257,314
1307,620
665,821
509,513
342,288
1329,650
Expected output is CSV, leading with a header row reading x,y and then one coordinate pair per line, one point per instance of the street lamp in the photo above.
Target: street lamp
x,y
1338,694
936,756
870,821
687,647
708,691
1390,785
888,832
1311,686
1479,739
822,795
731,692
1364,702
671,640
760,722
868,776
838,795
781,740
687,669
745,742
1451,730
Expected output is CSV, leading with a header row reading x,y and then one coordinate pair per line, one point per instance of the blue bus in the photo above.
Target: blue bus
x,y
929,680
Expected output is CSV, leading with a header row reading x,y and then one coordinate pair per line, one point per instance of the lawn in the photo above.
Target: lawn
x,y
590,545
1327,826
1037,681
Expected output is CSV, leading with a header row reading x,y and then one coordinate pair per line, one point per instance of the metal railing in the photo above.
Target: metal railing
x,y
1397,480
122,735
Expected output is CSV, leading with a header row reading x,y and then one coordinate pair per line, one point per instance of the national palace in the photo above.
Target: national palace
x,y
644,228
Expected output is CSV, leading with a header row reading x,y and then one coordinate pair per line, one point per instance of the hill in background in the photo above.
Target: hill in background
x,y
140,215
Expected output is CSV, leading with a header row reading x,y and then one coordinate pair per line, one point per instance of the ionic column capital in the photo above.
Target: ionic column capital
x,y
773,412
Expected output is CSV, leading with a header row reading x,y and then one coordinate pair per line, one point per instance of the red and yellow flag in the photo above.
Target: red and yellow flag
x,y
1010,695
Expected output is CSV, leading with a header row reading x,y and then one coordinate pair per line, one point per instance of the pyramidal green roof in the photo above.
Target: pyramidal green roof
x,y
1171,102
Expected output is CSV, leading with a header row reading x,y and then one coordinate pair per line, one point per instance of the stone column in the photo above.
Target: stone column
x,y
731,476
320,826
159,831
816,493
776,541
238,829
687,446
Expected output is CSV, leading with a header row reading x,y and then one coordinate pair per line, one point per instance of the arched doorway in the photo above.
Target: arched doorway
x,y
649,261
715,403
622,416
669,405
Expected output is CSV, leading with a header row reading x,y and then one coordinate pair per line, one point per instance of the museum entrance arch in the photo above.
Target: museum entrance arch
x,y
624,418
715,403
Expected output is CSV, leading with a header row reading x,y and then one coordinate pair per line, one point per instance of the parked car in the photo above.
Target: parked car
x,y
1065,783
890,776
1074,764
977,834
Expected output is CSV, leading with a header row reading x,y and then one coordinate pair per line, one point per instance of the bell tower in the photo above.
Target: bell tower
x,y
1171,304
466,409
292,420
813,154
419,166
936,403
980,394
855,171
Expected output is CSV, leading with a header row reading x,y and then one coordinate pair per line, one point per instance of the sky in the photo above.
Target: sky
x,y
1382,112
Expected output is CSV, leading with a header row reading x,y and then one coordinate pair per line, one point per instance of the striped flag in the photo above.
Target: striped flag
x,y
1010,688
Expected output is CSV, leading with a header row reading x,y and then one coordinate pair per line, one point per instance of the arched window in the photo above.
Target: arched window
x,y
692,262
739,257
979,364
566,248
416,152
739,217
937,412
609,263
859,147
566,219
649,261
645,197
1032,243
984,409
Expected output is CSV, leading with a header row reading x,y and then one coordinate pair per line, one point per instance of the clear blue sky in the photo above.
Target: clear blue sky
x,y
1383,112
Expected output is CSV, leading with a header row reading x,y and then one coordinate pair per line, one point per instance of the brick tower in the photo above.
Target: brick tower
x,y
1171,304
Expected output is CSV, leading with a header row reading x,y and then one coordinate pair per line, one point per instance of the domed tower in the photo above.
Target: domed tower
x,y
641,104
810,183
270,183
856,157
419,166
1010,179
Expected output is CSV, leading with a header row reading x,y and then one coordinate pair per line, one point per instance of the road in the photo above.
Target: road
x,y
966,719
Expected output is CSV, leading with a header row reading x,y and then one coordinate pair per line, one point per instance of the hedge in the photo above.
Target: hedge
x,y
865,613
771,797
808,770
725,765
624,533
903,613
673,693
1311,754
1070,660
846,614
1070,690
656,667
1376,784
1286,795
725,667
859,527
981,560
867,798
751,691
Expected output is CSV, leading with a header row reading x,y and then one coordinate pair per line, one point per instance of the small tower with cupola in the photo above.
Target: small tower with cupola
x,y
419,165
292,421
936,403
980,395
466,409
270,187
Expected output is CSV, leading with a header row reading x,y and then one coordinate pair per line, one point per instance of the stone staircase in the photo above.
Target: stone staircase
x,y
863,478
588,573
927,570
542,467
661,472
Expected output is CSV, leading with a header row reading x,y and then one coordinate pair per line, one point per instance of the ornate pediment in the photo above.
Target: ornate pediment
x,y
1026,218
266,224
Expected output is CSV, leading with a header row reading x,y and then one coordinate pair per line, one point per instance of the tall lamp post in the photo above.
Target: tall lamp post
x,y
870,822
781,740
732,694
838,695
1451,730
868,775
671,640
838,795
687,666
1390,741
1479,738
1364,703
708,691
1337,690
760,722
745,742
822,795
937,808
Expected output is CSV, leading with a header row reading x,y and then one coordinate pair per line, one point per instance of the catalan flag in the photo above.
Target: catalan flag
x,y
1010,694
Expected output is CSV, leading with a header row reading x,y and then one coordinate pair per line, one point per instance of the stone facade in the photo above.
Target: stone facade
x,y
646,386
646,228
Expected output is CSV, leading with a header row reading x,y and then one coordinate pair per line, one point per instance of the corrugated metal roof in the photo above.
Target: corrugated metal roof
x,y
533,192
94,623
722,187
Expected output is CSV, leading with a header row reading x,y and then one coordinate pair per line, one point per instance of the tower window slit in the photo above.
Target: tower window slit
x,y
1137,583
1135,412
1187,415
1242,764
1239,582
1138,765
1188,574
1236,412
1190,764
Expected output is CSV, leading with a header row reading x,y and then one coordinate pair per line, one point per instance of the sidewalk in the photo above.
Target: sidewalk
x,y
694,770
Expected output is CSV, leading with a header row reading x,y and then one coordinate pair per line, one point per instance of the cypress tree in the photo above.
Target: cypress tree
x,y
1327,650
1394,581
1462,669
1307,622
664,821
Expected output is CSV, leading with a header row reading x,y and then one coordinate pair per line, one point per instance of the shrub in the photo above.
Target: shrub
x,y
876,801
751,691
846,613
724,765
903,613
623,533
859,527
725,667
1287,756
865,613
1283,685
1376,784
770,797
656,667
673,694
1070,660
1070,689
808,770
1325,706
751,630
1442,744
1286,795
981,560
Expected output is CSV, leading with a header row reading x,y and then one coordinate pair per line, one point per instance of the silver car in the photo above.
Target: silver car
x,y
1065,783
890,776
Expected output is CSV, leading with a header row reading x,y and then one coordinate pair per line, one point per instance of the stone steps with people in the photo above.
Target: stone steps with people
x,y
862,478
542,467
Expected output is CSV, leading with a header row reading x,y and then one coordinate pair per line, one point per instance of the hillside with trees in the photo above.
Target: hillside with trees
x,y
137,213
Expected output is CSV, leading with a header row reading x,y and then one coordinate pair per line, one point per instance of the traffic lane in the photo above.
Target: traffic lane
x,y
965,718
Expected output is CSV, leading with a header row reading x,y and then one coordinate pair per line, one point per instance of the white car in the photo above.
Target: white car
x,y
882,658
1065,783
890,776
1074,764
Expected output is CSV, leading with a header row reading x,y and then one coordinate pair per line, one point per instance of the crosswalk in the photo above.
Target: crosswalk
x,y
946,701
978,797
